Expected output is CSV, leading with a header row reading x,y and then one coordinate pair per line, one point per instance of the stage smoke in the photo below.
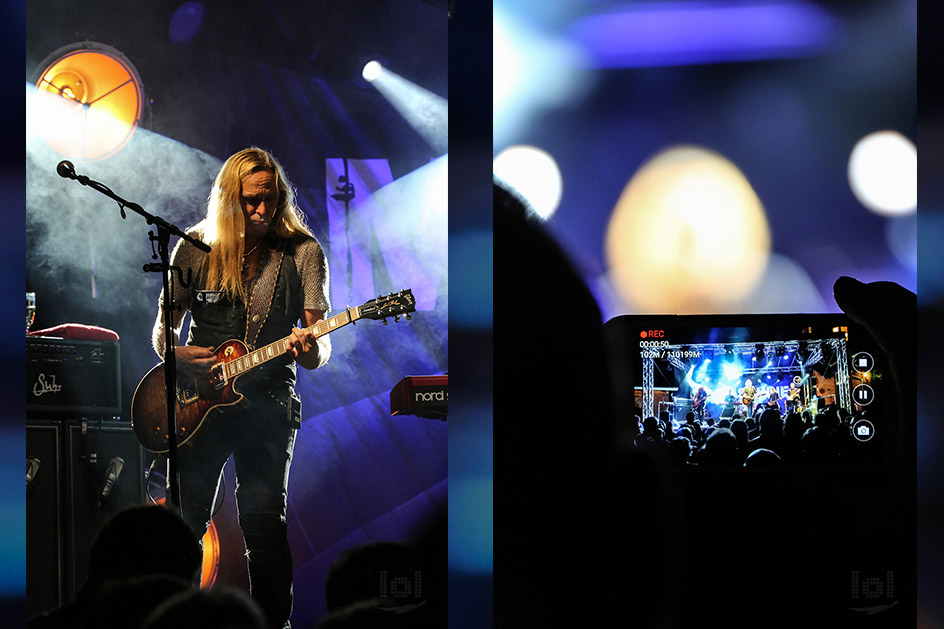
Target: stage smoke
x,y
426,112
74,231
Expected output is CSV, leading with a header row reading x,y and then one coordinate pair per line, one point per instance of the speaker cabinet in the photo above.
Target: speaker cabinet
x,y
92,450
67,503
44,522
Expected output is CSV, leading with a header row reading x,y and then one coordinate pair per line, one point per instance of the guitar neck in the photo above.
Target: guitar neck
x,y
264,354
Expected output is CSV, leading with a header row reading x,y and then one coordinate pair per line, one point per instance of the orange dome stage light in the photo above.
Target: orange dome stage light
x,y
91,100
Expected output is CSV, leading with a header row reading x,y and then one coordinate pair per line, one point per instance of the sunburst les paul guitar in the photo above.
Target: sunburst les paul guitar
x,y
199,398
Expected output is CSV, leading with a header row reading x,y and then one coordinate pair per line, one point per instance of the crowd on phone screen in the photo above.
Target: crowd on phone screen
x,y
770,439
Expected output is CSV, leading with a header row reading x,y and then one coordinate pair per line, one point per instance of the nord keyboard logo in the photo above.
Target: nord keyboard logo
x,y
431,396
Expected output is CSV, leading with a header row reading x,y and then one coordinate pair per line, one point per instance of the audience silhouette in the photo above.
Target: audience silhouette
x,y
220,608
137,543
595,528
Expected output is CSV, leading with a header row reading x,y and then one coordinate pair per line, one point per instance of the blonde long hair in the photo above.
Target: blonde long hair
x,y
224,227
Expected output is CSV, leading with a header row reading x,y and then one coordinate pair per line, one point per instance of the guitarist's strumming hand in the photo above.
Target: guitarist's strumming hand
x,y
193,361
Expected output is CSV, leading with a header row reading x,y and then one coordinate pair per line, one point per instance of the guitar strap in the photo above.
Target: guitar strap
x,y
260,299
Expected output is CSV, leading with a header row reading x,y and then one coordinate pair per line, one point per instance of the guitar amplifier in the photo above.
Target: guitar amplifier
x,y
72,377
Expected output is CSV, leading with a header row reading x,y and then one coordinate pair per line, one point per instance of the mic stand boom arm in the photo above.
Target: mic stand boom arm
x,y
164,232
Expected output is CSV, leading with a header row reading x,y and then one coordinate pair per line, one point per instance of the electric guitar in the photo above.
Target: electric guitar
x,y
197,398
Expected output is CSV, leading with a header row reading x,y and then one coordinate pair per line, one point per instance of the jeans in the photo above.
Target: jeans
x,y
261,440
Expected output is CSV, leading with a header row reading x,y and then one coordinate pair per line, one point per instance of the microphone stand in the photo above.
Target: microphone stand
x,y
164,232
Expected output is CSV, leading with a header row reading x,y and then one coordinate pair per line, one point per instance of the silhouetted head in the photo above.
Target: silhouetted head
x,y
739,428
681,449
721,449
793,426
770,423
144,540
815,445
762,457
224,608
126,603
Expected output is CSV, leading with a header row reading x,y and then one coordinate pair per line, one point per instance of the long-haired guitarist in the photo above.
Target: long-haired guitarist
x,y
793,395
747,397
266,272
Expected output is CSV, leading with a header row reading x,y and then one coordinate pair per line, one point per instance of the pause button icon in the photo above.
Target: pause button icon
x,y
863,395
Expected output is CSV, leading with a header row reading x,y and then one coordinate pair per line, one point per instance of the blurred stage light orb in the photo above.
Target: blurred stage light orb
x,y
89,100
187,22
534,174
688,234
883,173
371,71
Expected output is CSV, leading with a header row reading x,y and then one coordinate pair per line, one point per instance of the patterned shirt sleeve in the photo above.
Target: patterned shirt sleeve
x,y
312,266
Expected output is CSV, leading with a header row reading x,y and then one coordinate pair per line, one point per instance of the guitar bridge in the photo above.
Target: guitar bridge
x,y
187,392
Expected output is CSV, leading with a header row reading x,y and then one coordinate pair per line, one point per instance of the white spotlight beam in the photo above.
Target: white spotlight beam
x,y
426,112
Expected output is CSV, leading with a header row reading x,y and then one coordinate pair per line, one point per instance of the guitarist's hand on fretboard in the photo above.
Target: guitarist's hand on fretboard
x,y
300,345
194,361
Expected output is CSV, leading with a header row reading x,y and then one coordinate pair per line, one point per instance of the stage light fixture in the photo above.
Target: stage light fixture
x,y
90,100
759,352
371,71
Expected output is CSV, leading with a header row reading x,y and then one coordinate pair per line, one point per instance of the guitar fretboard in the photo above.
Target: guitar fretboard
x,y
262,355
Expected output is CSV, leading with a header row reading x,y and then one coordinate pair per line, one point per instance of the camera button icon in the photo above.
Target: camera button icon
x,y
863,430
863,362
863,395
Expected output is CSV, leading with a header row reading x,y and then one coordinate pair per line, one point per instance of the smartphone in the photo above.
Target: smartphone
x,y
822,367
812,532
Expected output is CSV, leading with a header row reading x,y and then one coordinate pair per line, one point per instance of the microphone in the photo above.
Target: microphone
x,y
66,170
32,468
111,476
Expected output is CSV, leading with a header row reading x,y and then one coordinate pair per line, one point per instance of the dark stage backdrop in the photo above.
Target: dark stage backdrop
x,y
285,77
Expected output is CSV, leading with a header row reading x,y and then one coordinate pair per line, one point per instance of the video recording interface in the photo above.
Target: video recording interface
x,y
738,372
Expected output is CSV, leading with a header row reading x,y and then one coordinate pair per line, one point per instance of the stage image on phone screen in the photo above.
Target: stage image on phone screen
x,y
783,376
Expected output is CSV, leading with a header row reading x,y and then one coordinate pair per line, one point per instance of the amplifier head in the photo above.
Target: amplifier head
x,y
72,377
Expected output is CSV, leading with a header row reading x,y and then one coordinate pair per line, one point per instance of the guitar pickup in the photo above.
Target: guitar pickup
x,y
217,376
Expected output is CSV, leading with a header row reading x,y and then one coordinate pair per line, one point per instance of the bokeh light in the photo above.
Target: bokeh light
x,y
883,173
688,234
534,174
187,22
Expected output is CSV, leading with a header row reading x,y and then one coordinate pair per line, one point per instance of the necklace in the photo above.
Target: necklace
x,y
247,254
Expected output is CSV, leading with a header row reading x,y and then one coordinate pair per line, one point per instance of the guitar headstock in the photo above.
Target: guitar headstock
x,y
392,305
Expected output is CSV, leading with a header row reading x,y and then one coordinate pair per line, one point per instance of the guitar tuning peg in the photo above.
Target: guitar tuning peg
x,y
396,318
408,317
385,321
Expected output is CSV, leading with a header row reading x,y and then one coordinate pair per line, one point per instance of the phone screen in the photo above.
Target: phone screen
x,y
786,373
